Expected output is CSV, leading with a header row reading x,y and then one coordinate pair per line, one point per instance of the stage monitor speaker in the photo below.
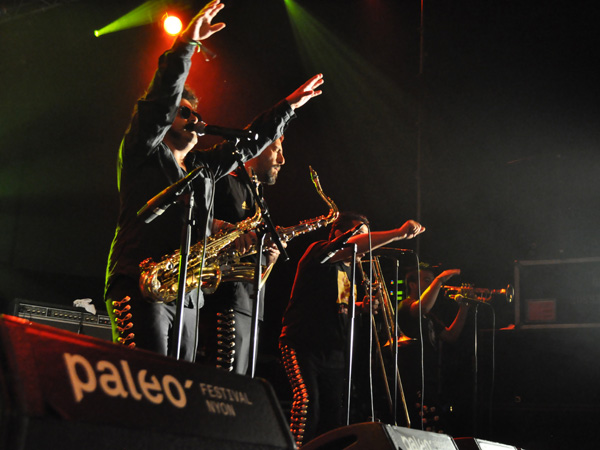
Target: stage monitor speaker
x,y
379,436
469,443
62,390
64,317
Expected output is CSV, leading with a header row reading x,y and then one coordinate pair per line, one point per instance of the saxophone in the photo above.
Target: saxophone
x,y
159,280
230,267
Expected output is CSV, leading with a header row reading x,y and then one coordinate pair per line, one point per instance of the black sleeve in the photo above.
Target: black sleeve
x,y
156,110
270,125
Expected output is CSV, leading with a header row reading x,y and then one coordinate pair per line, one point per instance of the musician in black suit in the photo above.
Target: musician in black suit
x,y
226,318
158,149
314,338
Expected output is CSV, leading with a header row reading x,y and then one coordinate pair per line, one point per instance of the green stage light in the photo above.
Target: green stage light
x,y
146,13
351,79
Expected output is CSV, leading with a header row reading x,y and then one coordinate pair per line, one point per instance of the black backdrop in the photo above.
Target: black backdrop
x,y
508,131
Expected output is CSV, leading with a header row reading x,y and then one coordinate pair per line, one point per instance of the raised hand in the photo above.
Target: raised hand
x,y
201,26
447,274
305,92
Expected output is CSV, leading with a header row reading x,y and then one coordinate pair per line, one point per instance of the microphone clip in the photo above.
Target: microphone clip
x,y
340,243
167,197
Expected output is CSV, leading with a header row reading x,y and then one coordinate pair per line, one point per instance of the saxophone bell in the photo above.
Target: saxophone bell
x,y
159,281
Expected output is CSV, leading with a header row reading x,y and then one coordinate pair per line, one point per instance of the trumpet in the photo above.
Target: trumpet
x,y
469,292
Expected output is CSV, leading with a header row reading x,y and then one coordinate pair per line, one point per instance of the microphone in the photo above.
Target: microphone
x,y
340,242
200,128
161,201
392,252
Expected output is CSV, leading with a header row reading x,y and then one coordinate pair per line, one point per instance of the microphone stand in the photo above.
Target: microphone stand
x,y
184,251
260,243
475,370
153,208
269,227
351,331
396,335
394,254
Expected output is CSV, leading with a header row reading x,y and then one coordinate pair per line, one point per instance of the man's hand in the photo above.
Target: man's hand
x,y
245,242
463,302
305,92
364,305
200,26
272,252
447,274
410,230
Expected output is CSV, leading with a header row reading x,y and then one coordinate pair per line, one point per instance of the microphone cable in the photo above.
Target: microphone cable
x,y
371,329
476,366
422,346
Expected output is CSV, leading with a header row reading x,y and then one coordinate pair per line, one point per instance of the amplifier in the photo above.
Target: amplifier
x,y
64,317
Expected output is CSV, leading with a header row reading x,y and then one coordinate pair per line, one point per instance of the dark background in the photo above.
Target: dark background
x,y
502,117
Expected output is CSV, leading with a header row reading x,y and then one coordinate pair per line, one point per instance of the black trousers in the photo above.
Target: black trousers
x,y
318,380
225,339
138,323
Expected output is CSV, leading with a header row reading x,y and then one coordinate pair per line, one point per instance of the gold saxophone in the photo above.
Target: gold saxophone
x,y
159,281
232,269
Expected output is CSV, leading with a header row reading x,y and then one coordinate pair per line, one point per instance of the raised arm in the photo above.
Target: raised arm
x,y
305,92
451,334
409,230
429,296
201,27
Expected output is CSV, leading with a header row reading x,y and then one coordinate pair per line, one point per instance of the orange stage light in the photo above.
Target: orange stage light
x,y
172,24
